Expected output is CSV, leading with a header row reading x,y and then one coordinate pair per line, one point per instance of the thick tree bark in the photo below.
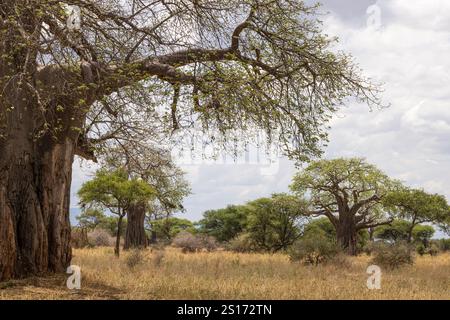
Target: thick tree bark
x,y
35,184
135,236
37,147
346,233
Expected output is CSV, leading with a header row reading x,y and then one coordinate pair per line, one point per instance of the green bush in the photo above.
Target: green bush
x,y
392,256
442,244
433,250
420,249
241,243
314,249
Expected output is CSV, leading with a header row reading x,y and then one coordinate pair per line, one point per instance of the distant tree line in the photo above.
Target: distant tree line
x,y
346,202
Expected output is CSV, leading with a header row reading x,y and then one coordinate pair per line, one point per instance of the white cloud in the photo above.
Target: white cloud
x,y
410,54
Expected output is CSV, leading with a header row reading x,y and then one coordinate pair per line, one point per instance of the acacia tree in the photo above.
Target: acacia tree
x,y
117,193
224,224
133,68
349,193
275,223
417,207
166,229
155,166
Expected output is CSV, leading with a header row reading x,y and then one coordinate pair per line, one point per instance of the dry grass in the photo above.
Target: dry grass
x,y
225,275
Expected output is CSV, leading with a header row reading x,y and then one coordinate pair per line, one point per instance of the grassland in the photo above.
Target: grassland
x,y
170,274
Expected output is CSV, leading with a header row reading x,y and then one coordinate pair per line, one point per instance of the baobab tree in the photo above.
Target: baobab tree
x,y
137,69
156,167
116,192
349,192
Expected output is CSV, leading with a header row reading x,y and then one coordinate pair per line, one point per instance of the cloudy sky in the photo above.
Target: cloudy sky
x,y
406,45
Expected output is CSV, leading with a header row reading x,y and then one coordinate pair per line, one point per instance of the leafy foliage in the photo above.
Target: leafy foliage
x,y
91,219
423,234
114,191
275,223
392,256
442,244
169,228
321,226
314,249
348,192
231,67
224,224
417,206
396,231
399,230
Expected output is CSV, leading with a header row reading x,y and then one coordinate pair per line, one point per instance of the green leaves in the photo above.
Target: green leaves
x,y
418,206
353,179
115,191
224,224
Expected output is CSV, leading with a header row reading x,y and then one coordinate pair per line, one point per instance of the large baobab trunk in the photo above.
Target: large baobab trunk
x,y
135,234
42,111
35,180
35,164
346,233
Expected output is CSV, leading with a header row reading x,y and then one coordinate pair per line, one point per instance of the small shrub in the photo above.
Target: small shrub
x,y
209,243
100,238
313,250
433,250
420,249
134,258
189,242
241,243
79,238
158,257
369,248
392,256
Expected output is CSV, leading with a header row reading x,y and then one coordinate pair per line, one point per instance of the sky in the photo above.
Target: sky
x,y
404,44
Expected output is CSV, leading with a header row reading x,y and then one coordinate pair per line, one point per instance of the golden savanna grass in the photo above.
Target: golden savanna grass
x,y
170,274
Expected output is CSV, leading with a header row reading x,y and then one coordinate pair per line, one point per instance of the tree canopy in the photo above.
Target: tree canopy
x,y
348,192
224,224
166,229
417,207
230,66
116,192
400,230
275,223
